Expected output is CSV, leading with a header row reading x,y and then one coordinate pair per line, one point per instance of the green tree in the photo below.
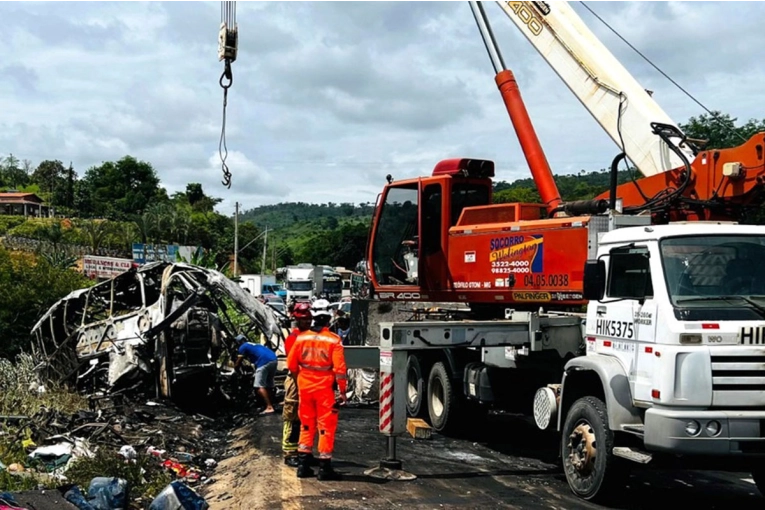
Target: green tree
x,y
195,197
12,174
96,232
721,130
51,177
118,190
28,287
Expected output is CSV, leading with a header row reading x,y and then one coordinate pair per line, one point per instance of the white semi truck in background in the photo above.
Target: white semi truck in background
x,y
299,282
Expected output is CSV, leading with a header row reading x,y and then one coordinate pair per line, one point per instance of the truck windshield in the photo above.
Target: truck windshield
x,y
300,286
716,277
334,286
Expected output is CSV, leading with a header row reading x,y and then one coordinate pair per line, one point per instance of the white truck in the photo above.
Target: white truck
x,y
258,284
668,363
299,282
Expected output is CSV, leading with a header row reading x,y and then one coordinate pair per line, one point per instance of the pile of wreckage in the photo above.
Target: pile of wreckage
x,y
171,325
143,346
155,435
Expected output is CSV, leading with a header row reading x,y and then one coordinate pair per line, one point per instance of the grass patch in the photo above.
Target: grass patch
x,y
19,395
14,483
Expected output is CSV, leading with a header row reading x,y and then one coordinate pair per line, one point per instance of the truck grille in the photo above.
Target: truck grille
x,y
738,381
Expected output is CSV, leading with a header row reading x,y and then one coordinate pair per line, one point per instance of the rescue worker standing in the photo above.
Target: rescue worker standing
x,y
318,359
291,432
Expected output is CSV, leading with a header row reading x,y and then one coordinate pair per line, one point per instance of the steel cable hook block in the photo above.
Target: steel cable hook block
x,y
228,38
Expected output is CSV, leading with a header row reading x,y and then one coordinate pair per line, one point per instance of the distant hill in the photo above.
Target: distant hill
x,y
288,214
335,234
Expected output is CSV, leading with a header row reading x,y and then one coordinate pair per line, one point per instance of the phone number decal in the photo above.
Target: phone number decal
x,y
510,266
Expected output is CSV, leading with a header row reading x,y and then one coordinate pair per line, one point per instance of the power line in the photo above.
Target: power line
x,y
713,115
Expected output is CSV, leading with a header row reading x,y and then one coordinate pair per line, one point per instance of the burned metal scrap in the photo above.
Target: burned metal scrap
x,y
168,323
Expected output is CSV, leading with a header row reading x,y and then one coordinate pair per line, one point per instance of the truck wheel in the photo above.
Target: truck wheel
x,y
592,471
758,475
416,387
441,397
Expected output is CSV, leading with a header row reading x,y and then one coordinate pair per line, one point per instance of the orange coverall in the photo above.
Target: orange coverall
x,y
319,361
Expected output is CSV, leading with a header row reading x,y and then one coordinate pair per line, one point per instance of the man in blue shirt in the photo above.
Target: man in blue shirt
x,y
264,361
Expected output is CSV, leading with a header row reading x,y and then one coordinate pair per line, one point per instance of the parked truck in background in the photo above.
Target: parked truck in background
x,y
262,284
299,282
330,284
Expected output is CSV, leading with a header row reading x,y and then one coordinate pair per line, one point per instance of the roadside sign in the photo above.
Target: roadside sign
x,y
104,267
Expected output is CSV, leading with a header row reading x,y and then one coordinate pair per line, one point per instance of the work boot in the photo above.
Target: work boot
x,y
303,469
291,461
326,473
311,460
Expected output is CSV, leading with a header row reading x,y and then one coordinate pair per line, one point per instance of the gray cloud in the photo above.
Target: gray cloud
x,y
330,97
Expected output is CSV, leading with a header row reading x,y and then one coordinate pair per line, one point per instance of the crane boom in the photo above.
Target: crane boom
x,y
600,82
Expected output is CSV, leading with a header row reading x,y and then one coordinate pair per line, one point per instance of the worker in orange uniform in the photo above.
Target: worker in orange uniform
x,y
302,315
318,359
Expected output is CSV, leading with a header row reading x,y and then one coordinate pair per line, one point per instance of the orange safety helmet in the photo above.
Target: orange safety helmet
x,y
302,311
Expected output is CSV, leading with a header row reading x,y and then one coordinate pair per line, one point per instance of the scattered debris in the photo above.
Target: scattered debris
x,y
418,428
178,496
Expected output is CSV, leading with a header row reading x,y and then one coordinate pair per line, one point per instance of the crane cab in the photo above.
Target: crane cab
x,y
408,249
440,238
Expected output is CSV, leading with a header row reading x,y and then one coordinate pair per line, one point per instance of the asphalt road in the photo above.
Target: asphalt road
x,y
509,464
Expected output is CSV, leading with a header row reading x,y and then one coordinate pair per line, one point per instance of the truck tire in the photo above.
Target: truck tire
x,y
758,475
592,471
416,387
442,400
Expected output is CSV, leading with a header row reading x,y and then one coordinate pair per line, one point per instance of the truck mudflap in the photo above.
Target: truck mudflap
x,y
577,378
698,432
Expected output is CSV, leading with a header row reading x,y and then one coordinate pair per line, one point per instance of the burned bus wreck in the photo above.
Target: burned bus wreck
x,y
168,323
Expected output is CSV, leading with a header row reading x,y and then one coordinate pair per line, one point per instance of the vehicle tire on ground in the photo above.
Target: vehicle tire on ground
x,y
416,387
758,475
592,471
442,399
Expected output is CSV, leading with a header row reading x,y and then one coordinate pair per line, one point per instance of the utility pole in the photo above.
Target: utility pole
x,y
263,263
236,238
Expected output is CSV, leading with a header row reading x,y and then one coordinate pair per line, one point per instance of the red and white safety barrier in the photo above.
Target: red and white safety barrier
x,y
386,402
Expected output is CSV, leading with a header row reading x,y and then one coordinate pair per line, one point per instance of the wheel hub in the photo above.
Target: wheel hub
x,y
582,448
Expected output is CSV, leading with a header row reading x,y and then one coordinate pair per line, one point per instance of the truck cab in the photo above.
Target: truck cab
x,y
675,352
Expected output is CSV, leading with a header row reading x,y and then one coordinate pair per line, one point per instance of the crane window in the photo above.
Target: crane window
x,y
431,219
467,194
630,274
396,226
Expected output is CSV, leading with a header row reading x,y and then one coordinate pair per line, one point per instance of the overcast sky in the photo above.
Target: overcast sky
x,y
328,98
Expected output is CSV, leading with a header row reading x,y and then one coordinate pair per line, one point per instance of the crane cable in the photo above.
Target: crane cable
x,y
227,45
712,114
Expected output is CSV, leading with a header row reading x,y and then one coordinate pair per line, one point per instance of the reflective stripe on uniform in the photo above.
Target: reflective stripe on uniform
x,y
315,367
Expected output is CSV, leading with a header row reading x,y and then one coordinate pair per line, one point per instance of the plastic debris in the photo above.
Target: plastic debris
x,y
128,452
178,496
181,470
154,452
108,493
77,498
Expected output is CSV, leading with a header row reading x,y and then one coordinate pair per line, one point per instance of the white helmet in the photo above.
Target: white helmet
x,y
320,307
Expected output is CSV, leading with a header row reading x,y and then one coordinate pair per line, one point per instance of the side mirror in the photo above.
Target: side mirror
x,y
594,280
